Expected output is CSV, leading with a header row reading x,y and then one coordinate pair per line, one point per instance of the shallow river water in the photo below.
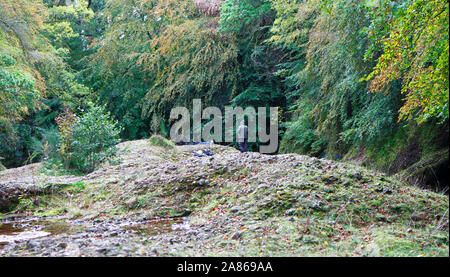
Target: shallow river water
x,y
29,229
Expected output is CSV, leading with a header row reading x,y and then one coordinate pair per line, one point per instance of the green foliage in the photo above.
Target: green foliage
x,y
235,15
331,107
24,204
35,78
317,61
18,93
62,84
94,138
76,187
155,55
46,147
415,49
71,28
65,123
210,73
18,97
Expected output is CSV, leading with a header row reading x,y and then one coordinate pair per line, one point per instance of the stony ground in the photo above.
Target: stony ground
x,y
158,201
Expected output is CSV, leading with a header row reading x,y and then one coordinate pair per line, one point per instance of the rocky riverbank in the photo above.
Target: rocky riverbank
x,y
159,201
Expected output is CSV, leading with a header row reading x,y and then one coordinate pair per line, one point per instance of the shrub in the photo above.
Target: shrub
x,y
93,139
158,140
65,122
48,146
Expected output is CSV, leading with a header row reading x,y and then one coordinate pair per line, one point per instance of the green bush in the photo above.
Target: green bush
x,y
94,139
45,148
158,140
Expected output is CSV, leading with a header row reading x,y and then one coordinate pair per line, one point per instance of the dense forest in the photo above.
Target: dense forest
x,y
364,81
90,164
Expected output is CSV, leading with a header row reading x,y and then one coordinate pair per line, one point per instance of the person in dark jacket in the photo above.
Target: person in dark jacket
x,y
242,135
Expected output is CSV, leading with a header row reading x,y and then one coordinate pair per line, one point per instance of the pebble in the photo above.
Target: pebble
x,y
235,209
236,235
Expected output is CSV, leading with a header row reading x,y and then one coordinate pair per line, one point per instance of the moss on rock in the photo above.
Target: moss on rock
x,y
157,140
